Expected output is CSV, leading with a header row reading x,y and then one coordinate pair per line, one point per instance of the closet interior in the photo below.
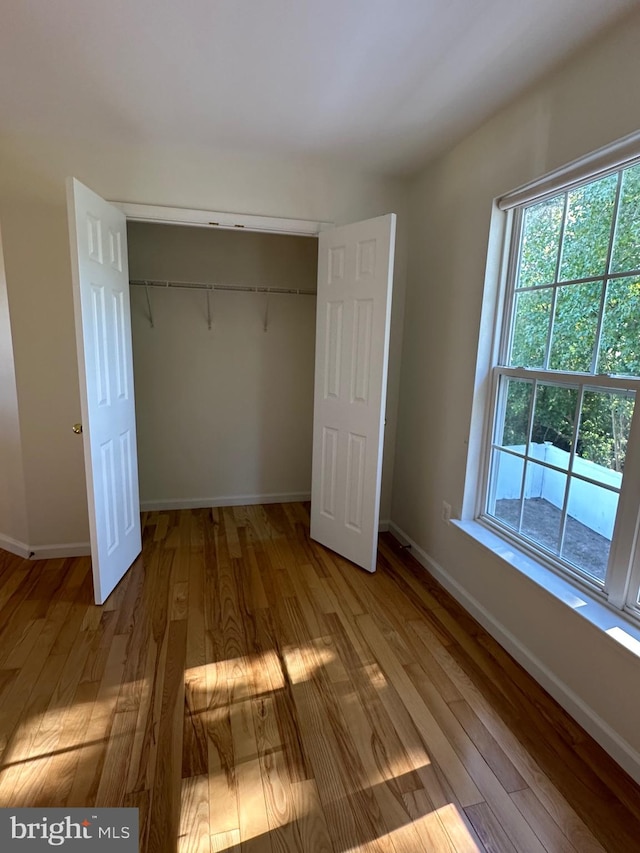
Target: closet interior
x,y
223,327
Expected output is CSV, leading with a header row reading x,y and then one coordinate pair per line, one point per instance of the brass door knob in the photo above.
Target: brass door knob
x,y
77,428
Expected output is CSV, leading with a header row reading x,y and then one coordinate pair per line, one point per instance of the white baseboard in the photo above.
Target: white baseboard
x,y
383,525
237,500
618,748
13,546
54,552
44,552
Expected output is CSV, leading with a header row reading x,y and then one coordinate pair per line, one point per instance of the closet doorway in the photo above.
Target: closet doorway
x,y
355,273
223,329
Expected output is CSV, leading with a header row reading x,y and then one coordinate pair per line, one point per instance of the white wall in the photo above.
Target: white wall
x,y
33,218
591,100
223,415
13,510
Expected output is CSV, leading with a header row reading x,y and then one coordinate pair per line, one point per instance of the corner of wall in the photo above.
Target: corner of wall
x,y
13,508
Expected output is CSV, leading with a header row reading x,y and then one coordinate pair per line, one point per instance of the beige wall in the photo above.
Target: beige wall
x,y
224,414
210,255
13,511
33,219
590,101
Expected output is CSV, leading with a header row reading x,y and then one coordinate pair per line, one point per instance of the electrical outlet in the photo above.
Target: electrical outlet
x,y
446,512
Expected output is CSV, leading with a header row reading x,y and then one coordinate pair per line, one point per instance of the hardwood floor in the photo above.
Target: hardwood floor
x,y
248,690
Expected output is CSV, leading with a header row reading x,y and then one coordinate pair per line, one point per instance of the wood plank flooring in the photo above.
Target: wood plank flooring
x,y
248,690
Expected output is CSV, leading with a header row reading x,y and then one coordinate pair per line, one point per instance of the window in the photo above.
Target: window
x,y
563,467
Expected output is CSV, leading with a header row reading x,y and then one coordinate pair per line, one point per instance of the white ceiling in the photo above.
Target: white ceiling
x,y
383,83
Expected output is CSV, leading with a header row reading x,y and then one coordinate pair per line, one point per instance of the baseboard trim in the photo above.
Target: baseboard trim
x,y
54,552
618,748
237,500
44,552
14,547
383,525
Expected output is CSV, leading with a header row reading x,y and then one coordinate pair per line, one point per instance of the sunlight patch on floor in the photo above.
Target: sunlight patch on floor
x,y
442,829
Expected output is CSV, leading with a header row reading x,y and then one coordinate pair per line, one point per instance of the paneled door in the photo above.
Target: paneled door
x,y
355,272
103,330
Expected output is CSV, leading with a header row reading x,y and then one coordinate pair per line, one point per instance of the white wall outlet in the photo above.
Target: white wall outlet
x,y
446,512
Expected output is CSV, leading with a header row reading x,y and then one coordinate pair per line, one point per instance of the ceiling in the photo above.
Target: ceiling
x,y
383,83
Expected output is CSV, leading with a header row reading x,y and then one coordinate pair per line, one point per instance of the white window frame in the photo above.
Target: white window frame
x,y
621,589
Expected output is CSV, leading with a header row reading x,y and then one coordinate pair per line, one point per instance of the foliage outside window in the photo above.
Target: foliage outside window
x,y
566,382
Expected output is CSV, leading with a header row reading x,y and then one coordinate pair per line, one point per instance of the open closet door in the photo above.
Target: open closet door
x,y
105,362
355,272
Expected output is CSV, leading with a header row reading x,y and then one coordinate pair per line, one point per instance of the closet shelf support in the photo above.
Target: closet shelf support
x,y
211,286
146,288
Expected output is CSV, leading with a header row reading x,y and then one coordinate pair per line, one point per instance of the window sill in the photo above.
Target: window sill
x,y
620,628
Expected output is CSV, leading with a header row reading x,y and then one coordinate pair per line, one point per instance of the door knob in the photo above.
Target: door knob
x,y
77,428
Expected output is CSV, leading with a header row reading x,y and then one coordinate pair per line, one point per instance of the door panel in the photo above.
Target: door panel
x,y
355,271
105,363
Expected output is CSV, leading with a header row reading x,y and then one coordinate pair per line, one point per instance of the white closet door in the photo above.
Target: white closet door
x,y
103,330
355,272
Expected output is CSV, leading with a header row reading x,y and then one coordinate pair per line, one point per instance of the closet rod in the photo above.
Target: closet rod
x,y
194,285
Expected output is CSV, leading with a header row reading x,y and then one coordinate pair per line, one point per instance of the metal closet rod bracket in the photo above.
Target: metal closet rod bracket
x,y
149,309
208,310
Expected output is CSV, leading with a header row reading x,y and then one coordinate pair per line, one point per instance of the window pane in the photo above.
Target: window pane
x,y
588,229
591,514
620,341
543,500
514,430
574,310
531,327
540,242
626,247
506,487
605,423
553,422
575,326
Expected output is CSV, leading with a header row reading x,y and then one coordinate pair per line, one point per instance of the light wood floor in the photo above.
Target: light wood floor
x,y
248,690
